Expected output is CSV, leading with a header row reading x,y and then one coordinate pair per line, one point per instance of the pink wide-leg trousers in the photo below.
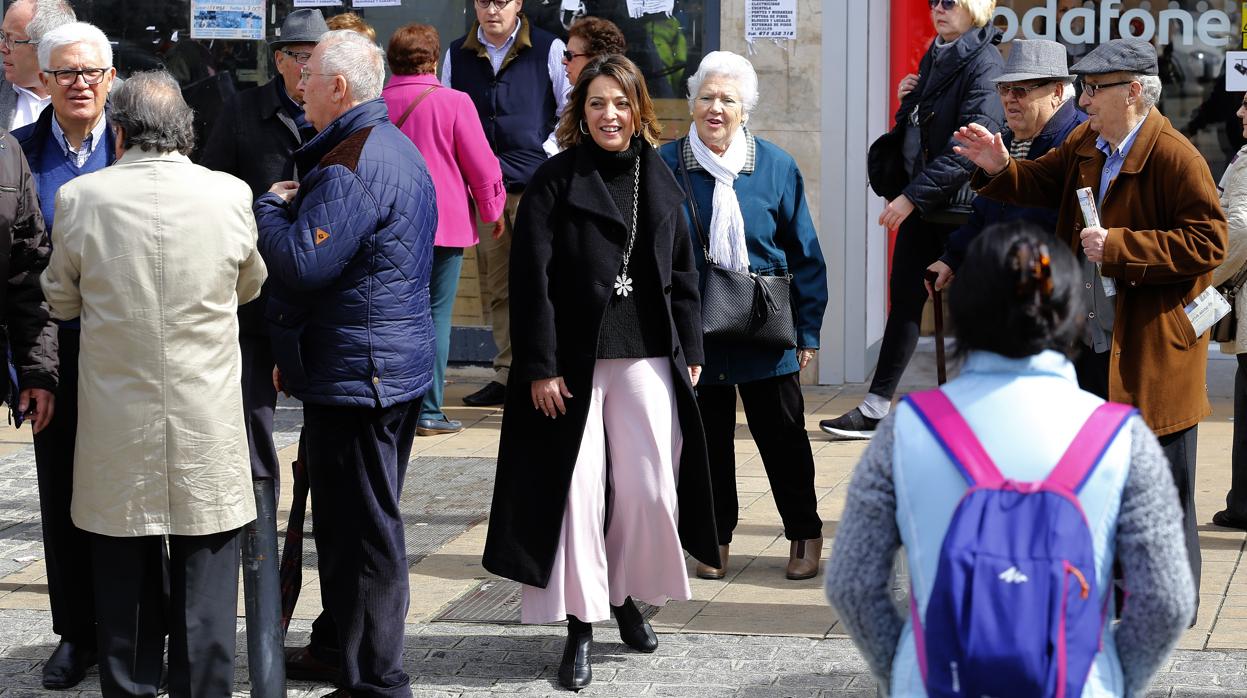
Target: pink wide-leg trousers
x,y
636,552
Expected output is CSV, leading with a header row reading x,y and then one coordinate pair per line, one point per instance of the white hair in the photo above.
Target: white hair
x,y
353,56
729,65
71,34
1151,89
47,15
1067,91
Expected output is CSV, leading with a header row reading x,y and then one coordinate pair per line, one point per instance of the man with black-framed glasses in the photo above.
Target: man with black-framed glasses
x,y
1159,235
254,138
25,23
513,71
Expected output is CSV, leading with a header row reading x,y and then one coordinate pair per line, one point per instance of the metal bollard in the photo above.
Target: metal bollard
x,y
265,638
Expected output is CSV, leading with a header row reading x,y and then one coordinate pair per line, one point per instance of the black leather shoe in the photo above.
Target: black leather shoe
x,y
575,672
634,630
68,665
1227,520
494,393
302,665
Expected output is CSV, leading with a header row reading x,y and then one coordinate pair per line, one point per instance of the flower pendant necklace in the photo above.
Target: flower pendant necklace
x,y
623,282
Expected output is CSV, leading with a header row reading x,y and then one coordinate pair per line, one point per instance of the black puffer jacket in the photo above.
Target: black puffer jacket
x,y
953,91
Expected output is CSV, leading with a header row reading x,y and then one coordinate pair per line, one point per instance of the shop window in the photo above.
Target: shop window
x,y
151,34
1191,39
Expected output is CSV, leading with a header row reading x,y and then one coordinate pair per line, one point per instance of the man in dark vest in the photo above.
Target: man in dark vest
x,y
254,139
514,73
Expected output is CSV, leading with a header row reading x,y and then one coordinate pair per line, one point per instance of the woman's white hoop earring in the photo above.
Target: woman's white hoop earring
x,y
583,129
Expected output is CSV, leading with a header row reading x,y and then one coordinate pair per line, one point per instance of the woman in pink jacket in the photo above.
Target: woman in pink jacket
x,y
443,124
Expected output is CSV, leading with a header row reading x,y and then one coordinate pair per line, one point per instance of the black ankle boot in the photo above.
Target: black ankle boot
x,y
575,672
634,630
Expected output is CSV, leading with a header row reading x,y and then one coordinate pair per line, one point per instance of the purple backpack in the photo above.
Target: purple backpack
x,y
1014,610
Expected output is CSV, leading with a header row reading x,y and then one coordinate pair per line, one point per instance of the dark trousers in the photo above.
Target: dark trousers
x,y
66,548
918,244
201,578
357,459
1236,499
1179,448
775,411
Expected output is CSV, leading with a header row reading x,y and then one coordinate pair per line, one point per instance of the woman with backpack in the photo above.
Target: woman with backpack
x,y
1012,492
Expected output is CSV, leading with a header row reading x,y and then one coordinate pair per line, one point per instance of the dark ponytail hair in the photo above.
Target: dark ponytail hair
x,y
1017,293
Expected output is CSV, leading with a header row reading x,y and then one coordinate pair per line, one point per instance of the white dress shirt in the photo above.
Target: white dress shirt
x,y
29,105
554,64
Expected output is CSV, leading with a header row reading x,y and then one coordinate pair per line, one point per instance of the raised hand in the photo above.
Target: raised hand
x,y
982,147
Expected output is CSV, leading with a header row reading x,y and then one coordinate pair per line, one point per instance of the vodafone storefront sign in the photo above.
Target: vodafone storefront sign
x,y
1082,25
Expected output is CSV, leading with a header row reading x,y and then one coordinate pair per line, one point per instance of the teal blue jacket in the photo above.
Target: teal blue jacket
x,y
780,237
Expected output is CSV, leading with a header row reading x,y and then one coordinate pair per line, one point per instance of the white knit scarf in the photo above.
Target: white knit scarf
x,y
727,225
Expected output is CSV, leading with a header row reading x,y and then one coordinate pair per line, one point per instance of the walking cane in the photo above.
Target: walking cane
x,y
292,551
941,374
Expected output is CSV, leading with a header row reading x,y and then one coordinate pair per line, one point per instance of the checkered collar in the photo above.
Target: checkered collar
x,y
751,154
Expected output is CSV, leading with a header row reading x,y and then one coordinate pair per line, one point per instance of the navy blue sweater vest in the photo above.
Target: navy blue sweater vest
x,y
516,106
58,168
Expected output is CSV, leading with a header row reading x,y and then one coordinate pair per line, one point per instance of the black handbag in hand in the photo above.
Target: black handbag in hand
x,y
1226,329
742,306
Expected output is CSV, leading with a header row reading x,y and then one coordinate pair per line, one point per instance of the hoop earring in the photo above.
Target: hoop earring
x,y
583,128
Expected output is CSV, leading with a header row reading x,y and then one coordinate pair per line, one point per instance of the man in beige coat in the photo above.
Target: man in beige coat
x,y
154,254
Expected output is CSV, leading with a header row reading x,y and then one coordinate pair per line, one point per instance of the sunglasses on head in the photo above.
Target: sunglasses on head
x,y
948,5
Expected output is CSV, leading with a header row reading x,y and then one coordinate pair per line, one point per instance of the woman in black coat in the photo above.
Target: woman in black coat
x,y
599,455
953,88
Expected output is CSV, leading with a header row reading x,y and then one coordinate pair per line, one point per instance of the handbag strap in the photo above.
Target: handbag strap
x,y
414,103
692,200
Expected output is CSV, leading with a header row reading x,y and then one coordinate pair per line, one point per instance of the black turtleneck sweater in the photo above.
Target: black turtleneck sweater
x,y
635,326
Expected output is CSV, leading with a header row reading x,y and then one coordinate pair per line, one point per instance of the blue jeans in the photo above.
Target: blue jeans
x,y
443,282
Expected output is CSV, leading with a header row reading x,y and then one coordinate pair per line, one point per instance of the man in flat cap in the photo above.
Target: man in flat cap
x,y
1037,93
1161,234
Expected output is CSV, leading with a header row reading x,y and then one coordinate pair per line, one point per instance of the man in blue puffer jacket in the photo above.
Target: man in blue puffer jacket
x,y
350,249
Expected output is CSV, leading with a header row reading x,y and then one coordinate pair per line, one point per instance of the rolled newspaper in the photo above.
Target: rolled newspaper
x,y
1091,219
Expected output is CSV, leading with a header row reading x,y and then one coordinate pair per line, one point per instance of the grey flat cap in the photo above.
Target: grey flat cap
x,y
1036,59
301,27
1119,55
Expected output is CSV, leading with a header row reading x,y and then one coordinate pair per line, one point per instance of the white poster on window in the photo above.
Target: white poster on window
x,y
770,19
640,8
317,3
227,19
1236,71
376,3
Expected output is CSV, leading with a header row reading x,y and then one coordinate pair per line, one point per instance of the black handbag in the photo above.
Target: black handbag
x,y
885,164
1226,329
742,306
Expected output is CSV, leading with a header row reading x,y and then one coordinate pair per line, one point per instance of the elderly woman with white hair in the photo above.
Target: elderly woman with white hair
x,y
926,184
69,139
747,213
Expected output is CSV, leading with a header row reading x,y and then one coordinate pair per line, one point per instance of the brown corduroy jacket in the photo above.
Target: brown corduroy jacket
x,y
1166,233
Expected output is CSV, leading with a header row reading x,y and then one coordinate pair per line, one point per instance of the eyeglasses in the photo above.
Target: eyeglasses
x,y
1019,92
497,4
948,5
91,76
304,73
1091,89
300,57
569,56
9,42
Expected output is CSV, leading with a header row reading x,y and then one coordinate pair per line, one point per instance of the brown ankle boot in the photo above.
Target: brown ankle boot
x,y
705,571
803,558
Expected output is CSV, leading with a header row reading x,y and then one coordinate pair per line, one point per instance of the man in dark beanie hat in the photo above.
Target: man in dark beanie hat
x,y
1160,234
254,139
